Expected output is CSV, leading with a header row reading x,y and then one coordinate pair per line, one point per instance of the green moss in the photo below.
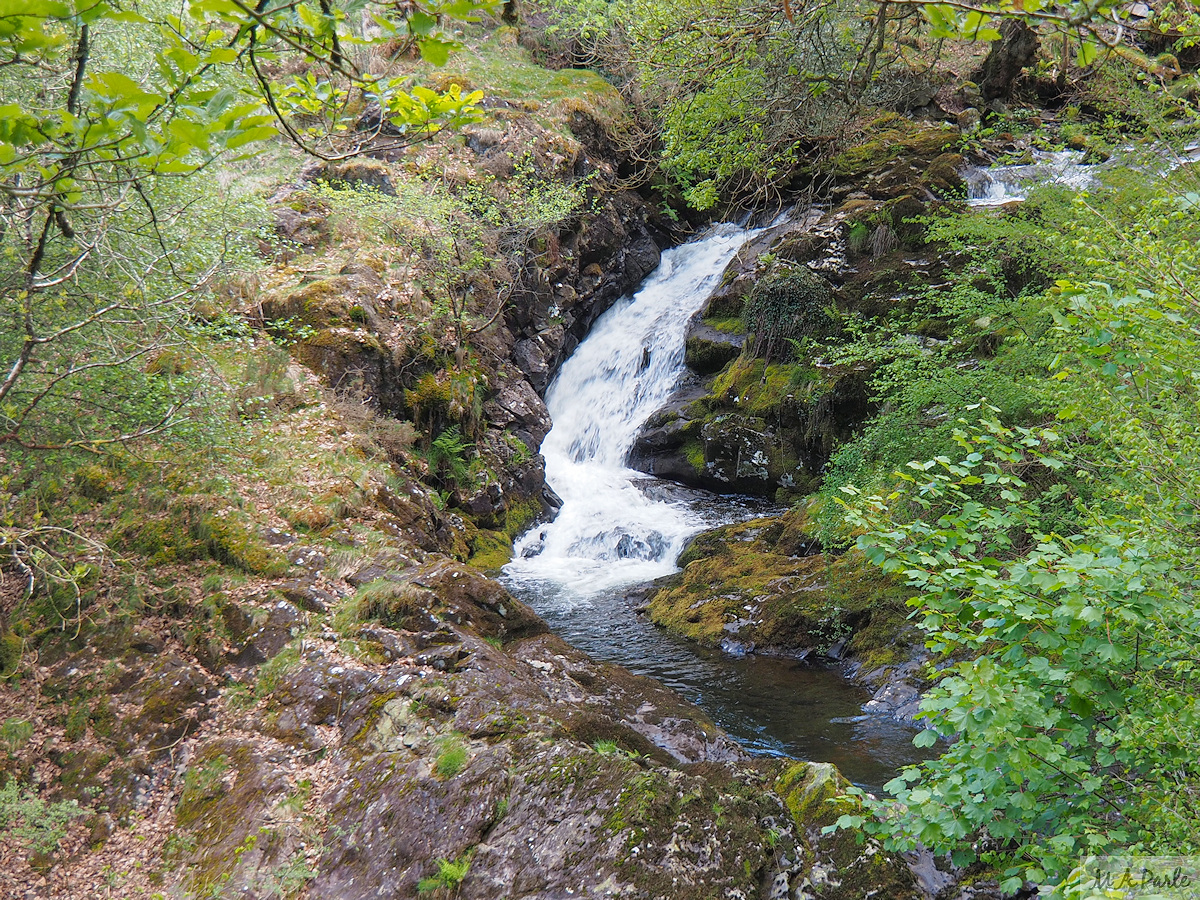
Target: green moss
x,y
756,389
93,482
215,817
942,175
272,671
203,785
231,542
815,797
375,710
728,325
799,601
11,649
813,793
490,550
339,340
519,515
892,137
693,452
646,804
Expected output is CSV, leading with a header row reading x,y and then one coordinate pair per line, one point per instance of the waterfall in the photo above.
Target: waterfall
x,y
608,533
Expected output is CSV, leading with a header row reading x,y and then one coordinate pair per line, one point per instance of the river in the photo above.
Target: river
x,y
618,529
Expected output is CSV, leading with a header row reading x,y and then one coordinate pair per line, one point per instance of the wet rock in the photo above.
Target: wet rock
x,y
897,700
898,686
530,358
467,598
707,351
969,119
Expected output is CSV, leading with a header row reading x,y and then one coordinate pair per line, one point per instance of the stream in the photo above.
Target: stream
x,y
997,185
618,529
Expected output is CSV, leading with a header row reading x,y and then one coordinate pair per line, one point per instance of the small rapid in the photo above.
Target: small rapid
x,y
997,185
618,529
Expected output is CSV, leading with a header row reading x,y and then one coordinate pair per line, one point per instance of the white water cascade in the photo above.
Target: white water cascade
x,y
997,185
608,533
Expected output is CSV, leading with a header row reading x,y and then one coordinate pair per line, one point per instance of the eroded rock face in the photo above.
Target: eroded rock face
x,y
359,326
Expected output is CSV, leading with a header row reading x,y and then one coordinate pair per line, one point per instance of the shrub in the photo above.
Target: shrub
x,y
30,820
795,305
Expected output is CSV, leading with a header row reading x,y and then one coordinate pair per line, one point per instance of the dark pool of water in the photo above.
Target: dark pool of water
x,y
774,707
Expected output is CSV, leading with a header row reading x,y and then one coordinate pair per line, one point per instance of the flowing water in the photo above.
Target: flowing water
x,y
618,528
997,185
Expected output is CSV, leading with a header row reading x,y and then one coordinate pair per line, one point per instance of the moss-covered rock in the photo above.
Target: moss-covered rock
x,y
232,541
762,429
12,646
706,356
763,585
894,150
838,866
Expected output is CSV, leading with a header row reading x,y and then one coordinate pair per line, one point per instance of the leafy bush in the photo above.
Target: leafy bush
x,y
31,821
1069,690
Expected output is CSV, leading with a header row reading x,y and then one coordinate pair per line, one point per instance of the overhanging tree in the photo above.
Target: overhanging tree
x,y
110,105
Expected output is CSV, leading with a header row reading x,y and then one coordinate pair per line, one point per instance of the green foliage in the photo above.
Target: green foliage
x,y
794,305
452,756
32,822
449,876
1056,571
987,333
463,240
1063,636
734,89
1079,20
388,602
109,224
15,733
448,457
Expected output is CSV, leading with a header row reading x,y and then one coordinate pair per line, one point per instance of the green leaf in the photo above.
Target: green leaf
x,y
436,51
1088,49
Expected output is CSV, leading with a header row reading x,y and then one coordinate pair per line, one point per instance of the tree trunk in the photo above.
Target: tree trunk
x,y
1017,48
